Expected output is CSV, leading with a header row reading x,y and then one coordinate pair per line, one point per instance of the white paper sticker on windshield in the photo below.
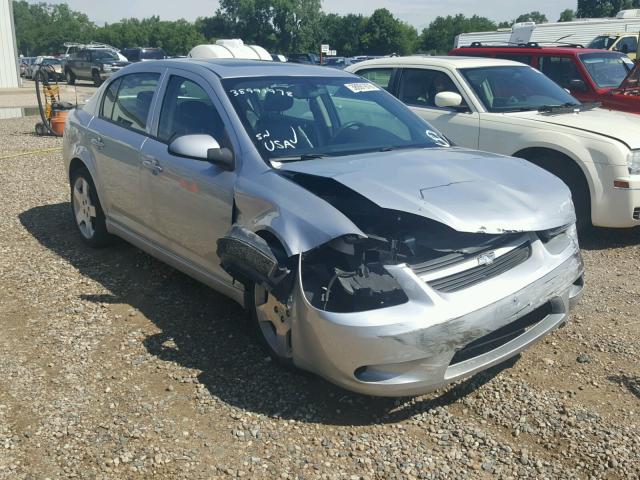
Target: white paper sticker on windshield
x,y
437,138
361,87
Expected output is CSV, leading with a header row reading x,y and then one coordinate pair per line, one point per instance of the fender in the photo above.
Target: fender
x,y
569,146
299,219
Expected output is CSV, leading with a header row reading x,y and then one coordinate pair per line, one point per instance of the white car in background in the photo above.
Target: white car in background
x,y
509,108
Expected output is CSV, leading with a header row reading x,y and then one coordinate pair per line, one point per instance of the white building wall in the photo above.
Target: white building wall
x,y
9,72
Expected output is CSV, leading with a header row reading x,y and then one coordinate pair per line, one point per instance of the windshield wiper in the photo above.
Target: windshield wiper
x,y
303,157
565,107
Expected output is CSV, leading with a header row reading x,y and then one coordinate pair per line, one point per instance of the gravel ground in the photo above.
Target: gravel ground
x,y
113,365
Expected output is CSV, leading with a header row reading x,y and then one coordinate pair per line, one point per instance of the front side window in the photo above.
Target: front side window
x,y
607,69
187,109
132,101
512,89
419,87
291,118
379,76
561,70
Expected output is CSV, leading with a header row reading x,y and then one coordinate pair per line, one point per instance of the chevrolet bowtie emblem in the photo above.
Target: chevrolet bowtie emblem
x,y
487,258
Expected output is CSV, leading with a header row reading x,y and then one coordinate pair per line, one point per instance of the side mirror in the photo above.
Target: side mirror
x,y
577,84
448,100
204,148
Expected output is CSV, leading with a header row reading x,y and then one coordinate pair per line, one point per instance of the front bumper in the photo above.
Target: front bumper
x,y
618,207
408,349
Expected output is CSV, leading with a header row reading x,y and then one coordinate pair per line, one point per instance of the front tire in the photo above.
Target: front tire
x,y
271,322
87,211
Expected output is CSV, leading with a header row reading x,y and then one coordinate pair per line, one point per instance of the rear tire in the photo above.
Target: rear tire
x,y
87,210
97,81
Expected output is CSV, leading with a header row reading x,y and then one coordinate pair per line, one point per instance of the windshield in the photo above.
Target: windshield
x,y
607,69
103,55
51,61
512,89
296,117
602,42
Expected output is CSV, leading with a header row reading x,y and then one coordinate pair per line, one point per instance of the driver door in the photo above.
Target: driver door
x,y
417,88
192,200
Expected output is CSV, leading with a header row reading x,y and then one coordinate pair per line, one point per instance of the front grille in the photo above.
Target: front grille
x,y
636,213
503,335
475,275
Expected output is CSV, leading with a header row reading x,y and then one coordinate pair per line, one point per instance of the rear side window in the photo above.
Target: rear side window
x,y
379,76
133,100
187,109
560,69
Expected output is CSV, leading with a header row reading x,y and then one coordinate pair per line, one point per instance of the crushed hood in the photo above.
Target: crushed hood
x,y
617,125
467,190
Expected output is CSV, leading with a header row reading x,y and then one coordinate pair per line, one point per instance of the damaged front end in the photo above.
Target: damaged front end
x,y
406,304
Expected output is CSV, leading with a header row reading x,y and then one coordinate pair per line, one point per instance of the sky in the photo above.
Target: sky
x,y
418,13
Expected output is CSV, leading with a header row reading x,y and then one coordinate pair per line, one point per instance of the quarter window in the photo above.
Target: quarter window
x,y
110,99
133,101
187,109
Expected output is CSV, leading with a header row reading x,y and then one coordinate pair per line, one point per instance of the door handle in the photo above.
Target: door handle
x,y
97,141
152,164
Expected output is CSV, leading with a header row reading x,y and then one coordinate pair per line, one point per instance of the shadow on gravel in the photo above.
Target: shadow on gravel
x,y
630,383
205,331
605,238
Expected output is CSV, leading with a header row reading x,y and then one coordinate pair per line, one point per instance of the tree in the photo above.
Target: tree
x,y
385,34
534,16
567,15
42,28
603,8
439,36
344,33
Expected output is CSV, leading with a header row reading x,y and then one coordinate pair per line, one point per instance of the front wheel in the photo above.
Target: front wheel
x,y
87,211
271,322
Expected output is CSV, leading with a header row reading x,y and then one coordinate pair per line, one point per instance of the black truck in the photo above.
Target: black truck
x,y
95,64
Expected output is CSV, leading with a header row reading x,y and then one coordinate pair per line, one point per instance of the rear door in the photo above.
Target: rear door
x,y
417,87
192,200
116,137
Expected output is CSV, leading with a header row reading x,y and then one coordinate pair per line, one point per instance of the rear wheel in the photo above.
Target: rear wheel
x,y
87,211
272,323
97,81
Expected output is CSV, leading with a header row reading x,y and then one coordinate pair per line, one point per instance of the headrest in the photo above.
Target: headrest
x,y
277,102
413,88
144,98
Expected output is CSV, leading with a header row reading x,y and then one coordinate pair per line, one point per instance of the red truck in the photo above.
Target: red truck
x,y
610,78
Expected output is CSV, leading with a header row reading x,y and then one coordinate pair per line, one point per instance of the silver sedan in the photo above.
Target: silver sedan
x,y
364,246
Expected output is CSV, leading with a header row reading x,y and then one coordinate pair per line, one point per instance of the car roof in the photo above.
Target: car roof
x,y
558,50
235,68
435,61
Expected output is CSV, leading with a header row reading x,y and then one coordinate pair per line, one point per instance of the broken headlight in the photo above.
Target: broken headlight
x,y
348,275
557,239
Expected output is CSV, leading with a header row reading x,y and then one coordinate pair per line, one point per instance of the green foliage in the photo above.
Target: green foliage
x,y
439,36
534,16
567,15
603,8
42,28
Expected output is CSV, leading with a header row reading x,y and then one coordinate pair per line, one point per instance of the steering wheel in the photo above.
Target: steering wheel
x,y
347,126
